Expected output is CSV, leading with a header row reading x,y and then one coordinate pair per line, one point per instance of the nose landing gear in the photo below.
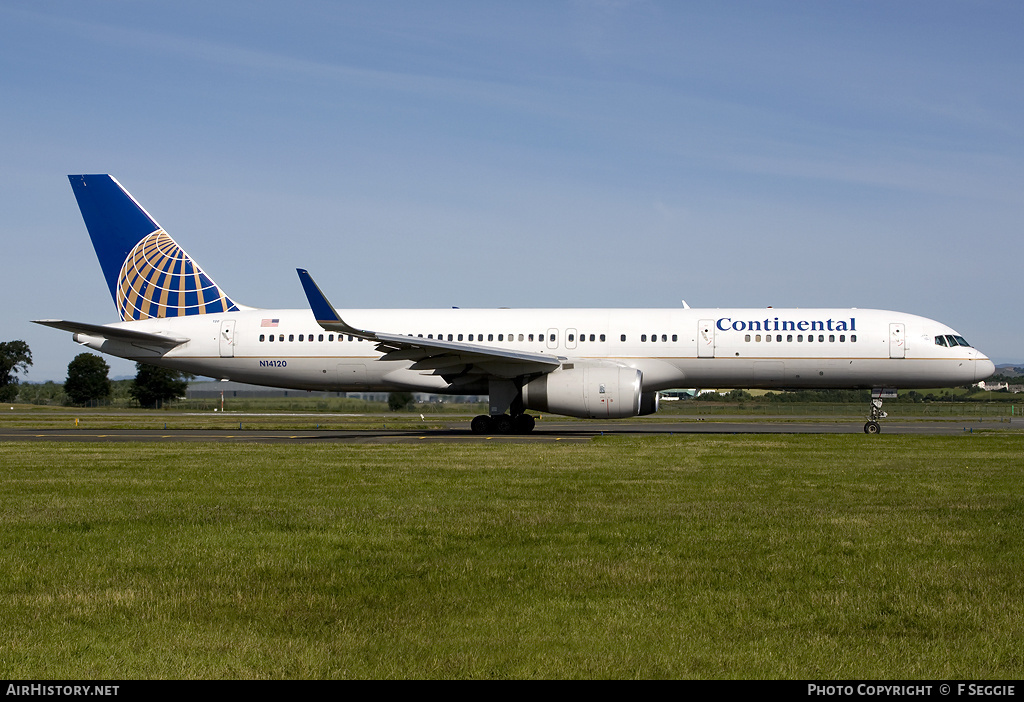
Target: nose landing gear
x,y
877,395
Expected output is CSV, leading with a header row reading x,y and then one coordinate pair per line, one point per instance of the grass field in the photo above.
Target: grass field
x,y
826,556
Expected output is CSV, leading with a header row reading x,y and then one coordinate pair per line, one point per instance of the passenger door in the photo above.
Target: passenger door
x,y
706,338
226,339
897,341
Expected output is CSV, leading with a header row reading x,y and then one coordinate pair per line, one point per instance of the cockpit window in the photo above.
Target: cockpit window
x,y
940,340
952,340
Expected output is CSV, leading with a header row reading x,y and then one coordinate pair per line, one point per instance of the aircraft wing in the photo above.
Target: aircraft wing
x,y
130,336
454,360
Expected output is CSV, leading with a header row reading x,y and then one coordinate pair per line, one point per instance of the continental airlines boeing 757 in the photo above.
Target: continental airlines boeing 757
x,y
590,363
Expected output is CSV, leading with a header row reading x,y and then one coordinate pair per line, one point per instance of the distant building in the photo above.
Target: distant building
x,y
212,389
993,385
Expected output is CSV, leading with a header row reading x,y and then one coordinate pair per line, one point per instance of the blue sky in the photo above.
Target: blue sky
x,y
564,153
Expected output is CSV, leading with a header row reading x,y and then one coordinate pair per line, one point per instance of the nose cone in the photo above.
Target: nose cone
x,y
983,368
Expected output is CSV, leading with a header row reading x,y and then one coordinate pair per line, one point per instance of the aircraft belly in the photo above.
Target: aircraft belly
x,y
824,373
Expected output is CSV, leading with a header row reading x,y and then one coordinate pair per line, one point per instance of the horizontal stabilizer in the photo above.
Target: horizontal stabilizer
x,y
130,336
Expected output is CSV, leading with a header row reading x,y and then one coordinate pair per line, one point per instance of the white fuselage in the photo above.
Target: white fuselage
x,y
673,348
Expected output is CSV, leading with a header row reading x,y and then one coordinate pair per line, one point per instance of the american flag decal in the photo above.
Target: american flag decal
x,y
269,322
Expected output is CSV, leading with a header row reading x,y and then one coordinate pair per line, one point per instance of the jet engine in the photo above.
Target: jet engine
x,y
590,391
649,402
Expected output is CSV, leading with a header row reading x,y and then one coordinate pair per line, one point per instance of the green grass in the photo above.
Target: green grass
x,y
699,557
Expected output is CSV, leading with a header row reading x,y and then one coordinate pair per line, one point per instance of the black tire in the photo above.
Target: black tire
x,y
872,428
481,424
502,424
524,424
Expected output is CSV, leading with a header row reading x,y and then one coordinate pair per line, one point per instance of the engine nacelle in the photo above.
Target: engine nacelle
x,y
649,402
589,391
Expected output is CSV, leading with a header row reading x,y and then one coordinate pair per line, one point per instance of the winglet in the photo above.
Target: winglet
x,y
326,316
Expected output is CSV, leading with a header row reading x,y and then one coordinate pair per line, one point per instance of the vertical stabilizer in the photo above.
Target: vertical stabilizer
x,y
148,274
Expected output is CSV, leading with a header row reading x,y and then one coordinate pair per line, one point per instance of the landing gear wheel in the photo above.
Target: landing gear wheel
x,y
523,423
876,413
481,424
503,424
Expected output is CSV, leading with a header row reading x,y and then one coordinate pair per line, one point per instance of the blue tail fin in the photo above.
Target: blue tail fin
x,y
149,275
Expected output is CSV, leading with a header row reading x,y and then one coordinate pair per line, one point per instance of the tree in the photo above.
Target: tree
x,y
15,357
87,381
48,393
398,401
154,386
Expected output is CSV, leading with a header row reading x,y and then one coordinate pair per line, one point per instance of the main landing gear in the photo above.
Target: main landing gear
x,y
877,395
508,416
503,424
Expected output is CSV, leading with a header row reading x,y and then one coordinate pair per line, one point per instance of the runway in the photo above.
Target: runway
x,y
548,431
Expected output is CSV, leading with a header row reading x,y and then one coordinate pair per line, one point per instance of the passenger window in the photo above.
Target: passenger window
x,y
271,337
622,337
842,338
530,337
746,337
520,337
291,337
675,337
789,338
490,337
831,337
470,337
460,337
262,337
643,337
501,337
757,337
300,337
572,337
602,337
799,337
853,337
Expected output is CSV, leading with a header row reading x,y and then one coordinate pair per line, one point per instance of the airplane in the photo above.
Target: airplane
x,y
587,363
